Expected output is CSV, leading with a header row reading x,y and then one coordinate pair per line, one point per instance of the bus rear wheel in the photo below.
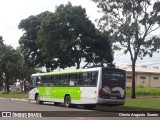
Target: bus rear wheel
x,y
89,106
38,101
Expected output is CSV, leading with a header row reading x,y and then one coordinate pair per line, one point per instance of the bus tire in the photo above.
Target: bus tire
x,y
38,101
89,106
56,103
67,101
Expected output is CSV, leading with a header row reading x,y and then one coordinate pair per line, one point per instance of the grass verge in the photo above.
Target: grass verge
x,y
15,95
147,104
144,91
143,104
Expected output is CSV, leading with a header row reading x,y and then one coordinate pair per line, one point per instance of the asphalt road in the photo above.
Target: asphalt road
x,y
18,109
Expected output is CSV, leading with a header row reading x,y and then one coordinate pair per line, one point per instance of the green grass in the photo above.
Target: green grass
x,y
147,104
8,95
143,104
144,91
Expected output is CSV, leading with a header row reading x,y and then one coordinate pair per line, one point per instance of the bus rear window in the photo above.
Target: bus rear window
x,y
109,75
113,76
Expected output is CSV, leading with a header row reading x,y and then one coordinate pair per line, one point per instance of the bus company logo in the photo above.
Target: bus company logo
x,y
21,114
6,114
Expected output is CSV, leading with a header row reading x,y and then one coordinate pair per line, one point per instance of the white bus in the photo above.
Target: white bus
x,y
87,87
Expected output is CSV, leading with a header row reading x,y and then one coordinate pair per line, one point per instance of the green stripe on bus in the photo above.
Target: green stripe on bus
x,y
61,72
59,92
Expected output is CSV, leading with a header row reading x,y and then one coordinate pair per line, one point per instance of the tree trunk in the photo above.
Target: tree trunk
x,y
7,85
78,64
133,80
48,67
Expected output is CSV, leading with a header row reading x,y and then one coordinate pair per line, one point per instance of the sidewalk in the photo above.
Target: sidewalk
x,y
19,99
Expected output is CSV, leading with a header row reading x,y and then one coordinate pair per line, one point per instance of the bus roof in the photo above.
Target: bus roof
x,y
66,71
60,72
36,74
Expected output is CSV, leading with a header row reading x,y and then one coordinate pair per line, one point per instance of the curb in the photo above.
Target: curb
x,y
16,99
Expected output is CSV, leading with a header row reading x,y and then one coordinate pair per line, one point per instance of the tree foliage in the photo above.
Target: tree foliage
x,y
131,22
100,52
28,46
63,39
11,65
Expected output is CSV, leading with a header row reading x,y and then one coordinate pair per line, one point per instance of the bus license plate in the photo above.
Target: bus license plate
x,y
112,97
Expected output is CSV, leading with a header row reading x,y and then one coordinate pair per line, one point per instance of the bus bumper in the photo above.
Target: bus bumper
x,y
111,102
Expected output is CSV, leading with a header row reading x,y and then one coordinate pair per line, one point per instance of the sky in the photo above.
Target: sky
x,y
13,11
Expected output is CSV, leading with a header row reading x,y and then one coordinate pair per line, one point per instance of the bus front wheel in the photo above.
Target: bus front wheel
x,y
56,103
67,101
38,101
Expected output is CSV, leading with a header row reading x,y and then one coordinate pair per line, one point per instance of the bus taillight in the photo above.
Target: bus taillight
x,y
100,93
124,94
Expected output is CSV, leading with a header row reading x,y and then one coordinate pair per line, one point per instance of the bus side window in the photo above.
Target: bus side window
x,y
94,77
67,80
72,78
60,79
38,81
87,79
82,79
52,82
42,80
55,79
63,79
47,80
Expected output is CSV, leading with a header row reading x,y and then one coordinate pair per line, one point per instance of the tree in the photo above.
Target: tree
x,y
11,65
8,65
68,36
131,22
61,39
24,71
100,53
28,46
1,62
